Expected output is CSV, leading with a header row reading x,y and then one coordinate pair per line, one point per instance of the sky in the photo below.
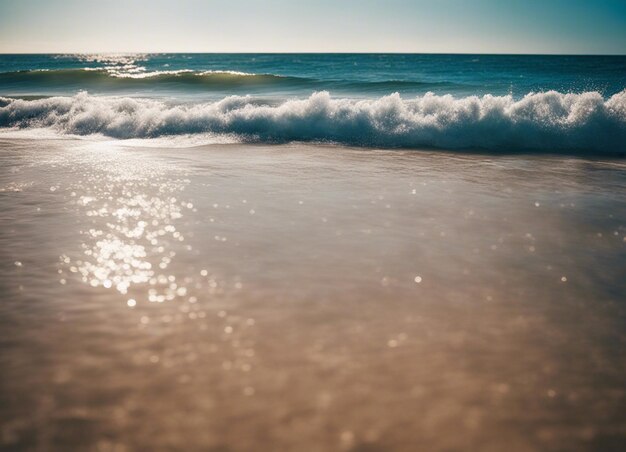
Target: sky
x,y
420,26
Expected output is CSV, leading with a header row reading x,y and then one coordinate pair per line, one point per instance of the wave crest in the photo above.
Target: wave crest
x,y
133,77
549,122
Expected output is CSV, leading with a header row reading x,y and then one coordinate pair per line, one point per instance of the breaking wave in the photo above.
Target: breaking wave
x,y
540,122
137,77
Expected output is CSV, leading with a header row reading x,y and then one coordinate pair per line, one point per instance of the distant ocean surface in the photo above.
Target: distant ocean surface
x,y
500,103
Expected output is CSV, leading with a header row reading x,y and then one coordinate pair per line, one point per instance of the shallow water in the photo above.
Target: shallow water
x,y
298,297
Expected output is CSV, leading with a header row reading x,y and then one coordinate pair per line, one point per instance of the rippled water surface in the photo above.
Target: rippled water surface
x,y
309,298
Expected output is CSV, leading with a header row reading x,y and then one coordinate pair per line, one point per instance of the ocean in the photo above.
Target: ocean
x,y
362,253
548,104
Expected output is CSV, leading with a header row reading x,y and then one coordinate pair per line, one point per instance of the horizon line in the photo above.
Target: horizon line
x,y
311,53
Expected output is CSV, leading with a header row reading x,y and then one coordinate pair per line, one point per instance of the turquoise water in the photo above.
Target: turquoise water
x,y
493,102
359,75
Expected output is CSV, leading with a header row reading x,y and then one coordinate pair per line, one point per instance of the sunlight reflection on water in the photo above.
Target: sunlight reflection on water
x,y
133,211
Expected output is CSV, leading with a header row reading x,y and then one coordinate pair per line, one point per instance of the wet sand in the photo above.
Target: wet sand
x,y
309,298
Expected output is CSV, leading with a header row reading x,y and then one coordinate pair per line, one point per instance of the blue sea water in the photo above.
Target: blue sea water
x,y
494,102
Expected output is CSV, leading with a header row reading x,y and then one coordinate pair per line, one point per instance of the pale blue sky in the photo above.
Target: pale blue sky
x,y
465,26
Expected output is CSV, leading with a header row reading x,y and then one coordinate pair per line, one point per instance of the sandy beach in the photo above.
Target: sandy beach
x,y
302,297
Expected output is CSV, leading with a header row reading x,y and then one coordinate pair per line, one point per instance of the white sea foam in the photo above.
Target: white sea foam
x,y
549,121
224,72
139,72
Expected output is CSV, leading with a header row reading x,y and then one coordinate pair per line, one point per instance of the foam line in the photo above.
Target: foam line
x,y
543,122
